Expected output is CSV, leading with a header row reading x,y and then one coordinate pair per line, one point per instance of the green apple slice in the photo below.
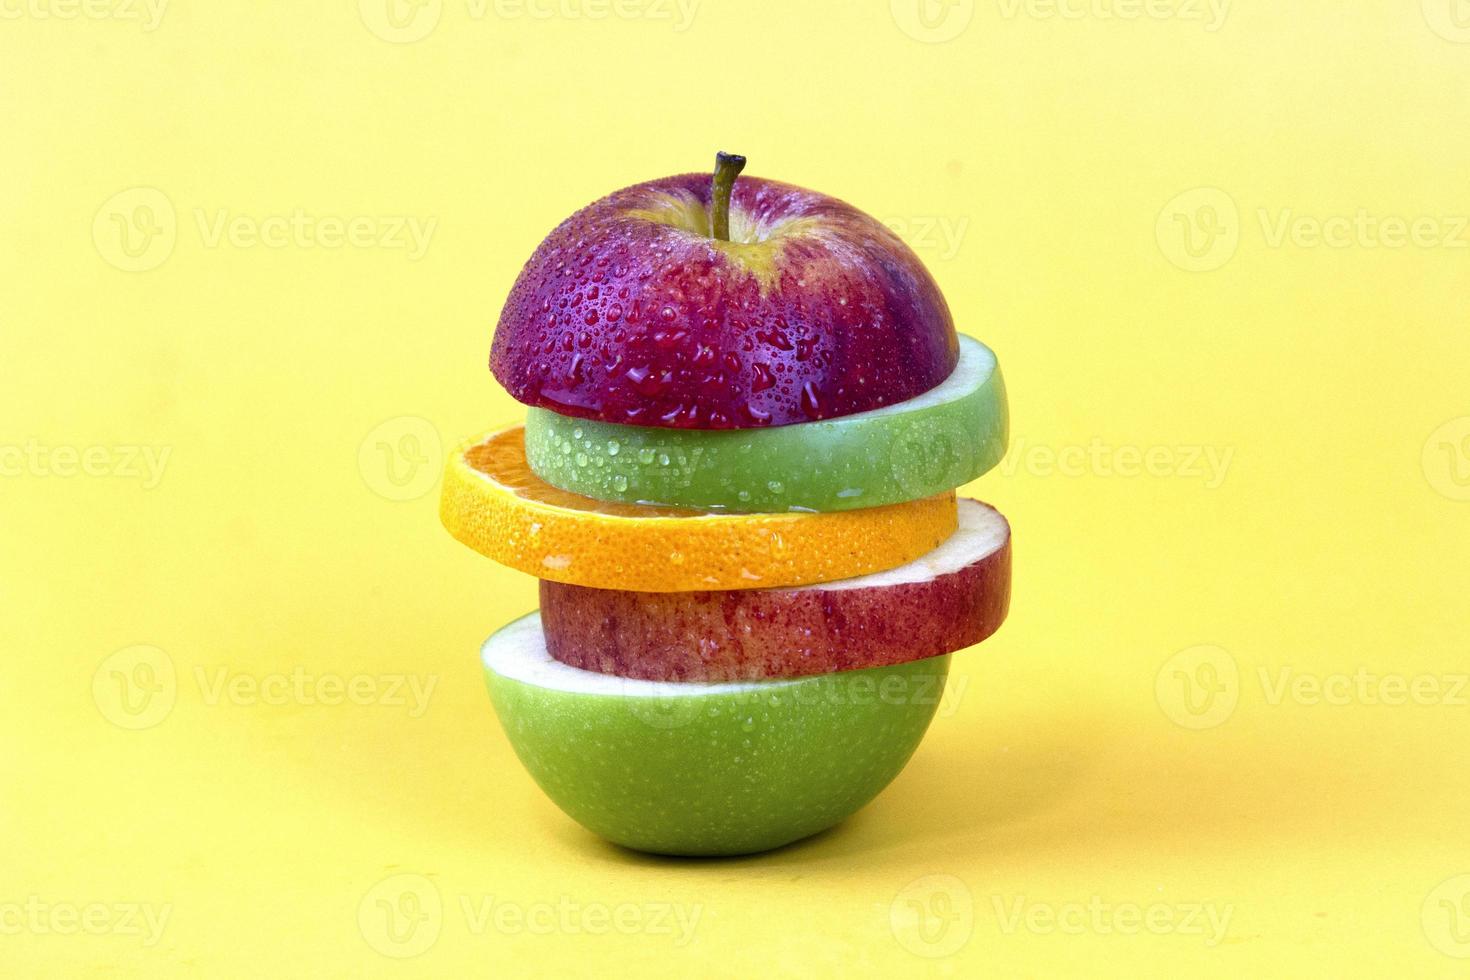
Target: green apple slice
x,y
940,440
706,769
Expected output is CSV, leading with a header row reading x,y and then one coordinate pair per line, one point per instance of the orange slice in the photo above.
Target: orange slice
x,y
496,505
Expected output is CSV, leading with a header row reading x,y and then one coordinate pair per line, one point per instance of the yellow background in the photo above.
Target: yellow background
x,y
1047,168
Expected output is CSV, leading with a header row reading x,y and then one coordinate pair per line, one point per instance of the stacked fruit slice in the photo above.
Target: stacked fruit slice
x,y
749,412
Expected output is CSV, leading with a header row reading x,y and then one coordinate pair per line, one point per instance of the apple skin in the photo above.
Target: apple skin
x,y
710,769
725,636
629,312
942,439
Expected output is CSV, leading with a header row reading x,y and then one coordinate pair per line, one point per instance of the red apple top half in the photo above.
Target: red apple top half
x,y
699,303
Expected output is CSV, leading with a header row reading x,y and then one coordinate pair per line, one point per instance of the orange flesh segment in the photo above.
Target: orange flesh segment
x,y
493,503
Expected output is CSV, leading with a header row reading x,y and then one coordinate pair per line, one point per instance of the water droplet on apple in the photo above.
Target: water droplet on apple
x,y
776,339
762,379
810,403
756,414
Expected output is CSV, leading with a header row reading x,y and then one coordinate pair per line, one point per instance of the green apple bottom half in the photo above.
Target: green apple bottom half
x,y
699,722
707,768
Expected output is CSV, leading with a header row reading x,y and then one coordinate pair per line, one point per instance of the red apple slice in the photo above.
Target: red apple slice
x,y
952,597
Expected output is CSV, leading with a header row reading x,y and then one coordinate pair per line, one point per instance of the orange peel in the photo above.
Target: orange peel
x,y
493,503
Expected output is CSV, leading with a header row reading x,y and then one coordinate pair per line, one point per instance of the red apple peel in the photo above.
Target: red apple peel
x,y
953,597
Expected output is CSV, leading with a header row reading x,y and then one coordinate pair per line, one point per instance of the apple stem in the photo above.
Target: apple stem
x,y
727,168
